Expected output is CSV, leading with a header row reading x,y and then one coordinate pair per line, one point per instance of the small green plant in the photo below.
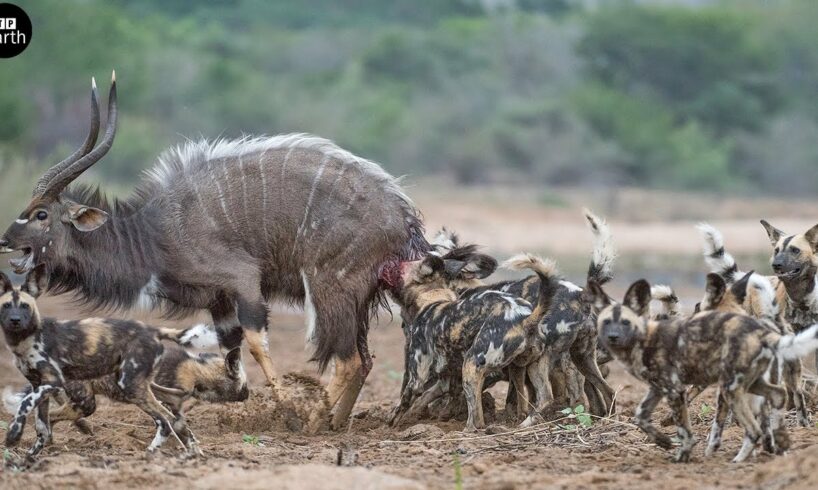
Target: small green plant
x,y
579,414
705,410
4,425
250,439
458,472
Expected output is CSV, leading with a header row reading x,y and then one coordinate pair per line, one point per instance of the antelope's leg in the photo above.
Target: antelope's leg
x,y
344,388
257,343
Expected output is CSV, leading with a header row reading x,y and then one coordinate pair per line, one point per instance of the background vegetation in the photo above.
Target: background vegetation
x,y
714,95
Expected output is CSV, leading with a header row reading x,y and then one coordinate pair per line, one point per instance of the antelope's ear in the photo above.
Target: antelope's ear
x,y
36,281
232,363
812,237
638,297
84,218
739,288
5,283
774,233
595,295
713,291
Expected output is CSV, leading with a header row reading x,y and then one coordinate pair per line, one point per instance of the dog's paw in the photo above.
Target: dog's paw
x,y
682,456
14,434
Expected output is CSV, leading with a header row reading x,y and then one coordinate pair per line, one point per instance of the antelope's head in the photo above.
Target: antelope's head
x,y
43,228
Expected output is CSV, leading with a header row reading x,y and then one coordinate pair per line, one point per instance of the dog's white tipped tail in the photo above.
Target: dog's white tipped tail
x,y
719,261
604,253
798,345
201,336
12,399
543,267
667,297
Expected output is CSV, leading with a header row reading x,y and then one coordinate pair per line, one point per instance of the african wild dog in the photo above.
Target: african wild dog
x,y
666,297
568,360
179,376
788,300
50,353
474,335
734,350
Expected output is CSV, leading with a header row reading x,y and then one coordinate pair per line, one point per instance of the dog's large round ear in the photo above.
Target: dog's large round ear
x,y
232,363
432,264
5,283
774,233
36,281
453,268
739,288
714,290
595,295
479,266
637,298
812,237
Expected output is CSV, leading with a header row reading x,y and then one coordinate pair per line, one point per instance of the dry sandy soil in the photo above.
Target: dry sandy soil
x,y
251,445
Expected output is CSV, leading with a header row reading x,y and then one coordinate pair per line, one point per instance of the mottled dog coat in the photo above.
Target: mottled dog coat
x,y
787,301
180,375
567,335
477,335
730,349
49,353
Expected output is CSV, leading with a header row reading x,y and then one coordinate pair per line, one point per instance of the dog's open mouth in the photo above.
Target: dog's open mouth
x,y
791,273
25,263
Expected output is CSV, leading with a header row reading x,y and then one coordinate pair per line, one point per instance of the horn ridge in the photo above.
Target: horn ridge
x,y
90,141
71,172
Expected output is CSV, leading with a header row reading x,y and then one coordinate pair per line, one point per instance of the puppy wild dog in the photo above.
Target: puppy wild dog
x,y
180,376
730,349
477,335
788,301
567,336
49,353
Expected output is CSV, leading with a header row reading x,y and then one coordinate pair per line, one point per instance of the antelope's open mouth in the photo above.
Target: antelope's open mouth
x,y
24,263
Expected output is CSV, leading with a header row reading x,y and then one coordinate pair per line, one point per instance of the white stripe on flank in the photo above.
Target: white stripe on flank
x,y
21,221
315,182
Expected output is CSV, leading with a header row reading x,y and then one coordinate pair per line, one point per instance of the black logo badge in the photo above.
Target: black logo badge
x,y
15,30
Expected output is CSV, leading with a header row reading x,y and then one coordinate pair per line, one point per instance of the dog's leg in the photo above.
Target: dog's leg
x,y
517,379
737,398
423,401
28,403
792,379
473,388
585,361
538,374
643,415
43,428
678,404
714,440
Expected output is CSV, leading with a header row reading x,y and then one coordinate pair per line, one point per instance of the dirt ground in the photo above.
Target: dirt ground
x,y
249,445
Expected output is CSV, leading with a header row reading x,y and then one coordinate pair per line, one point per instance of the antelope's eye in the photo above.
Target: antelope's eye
x,y
626,322
24,306
42,215
795,250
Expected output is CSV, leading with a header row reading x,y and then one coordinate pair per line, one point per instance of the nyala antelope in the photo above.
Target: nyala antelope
x,y
50,353
227,226
180,376
788,300
733,350
467,338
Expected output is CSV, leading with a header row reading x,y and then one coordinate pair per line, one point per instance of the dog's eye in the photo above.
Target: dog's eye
x,y
795,250
626,322
6,306
42,215
606,321
24,306
776,250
